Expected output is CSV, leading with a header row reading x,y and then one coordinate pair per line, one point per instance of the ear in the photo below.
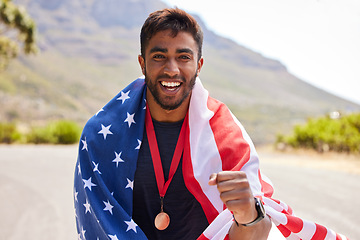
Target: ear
x,y
200,64
142,63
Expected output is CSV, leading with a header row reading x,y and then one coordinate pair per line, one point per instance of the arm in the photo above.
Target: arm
x,y
236,194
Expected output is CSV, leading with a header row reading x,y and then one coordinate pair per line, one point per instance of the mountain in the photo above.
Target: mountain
x,y
88,53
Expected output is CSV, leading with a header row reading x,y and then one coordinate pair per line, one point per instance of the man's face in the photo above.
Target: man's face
x,y
170,66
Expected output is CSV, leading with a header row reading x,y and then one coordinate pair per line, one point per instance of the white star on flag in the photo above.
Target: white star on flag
x,y
87,207
131,225
118,158
101,110
130,119
105,131
130,184
138,146
88,184
108,207
76,195
84,145
83,232
113,237
96,167
79,169
124,96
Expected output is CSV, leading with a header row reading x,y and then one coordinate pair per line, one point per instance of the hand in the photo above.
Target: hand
x,y
236,194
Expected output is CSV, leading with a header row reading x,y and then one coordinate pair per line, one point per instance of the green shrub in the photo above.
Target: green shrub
x,y
40,135
65,132
59,132
9,133
325,133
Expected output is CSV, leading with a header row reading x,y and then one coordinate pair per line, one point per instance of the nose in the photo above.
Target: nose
x,y
171,68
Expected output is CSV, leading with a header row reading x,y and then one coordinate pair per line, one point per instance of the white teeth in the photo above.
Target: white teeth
x,y
170,84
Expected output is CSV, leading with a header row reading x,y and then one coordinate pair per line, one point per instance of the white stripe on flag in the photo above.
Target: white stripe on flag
x,y
205,160
308,230
219,228
252,166
331,235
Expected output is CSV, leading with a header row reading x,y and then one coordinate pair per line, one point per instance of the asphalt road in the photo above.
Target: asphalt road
x,y
36,192
325,195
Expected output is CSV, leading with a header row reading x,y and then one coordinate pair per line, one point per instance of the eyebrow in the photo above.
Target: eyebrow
x,y
158,49
185,50
165,50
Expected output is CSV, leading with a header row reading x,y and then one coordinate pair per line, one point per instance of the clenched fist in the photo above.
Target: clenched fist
x,y
236,194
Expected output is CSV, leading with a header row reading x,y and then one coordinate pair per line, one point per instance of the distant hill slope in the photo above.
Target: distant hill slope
x,y
89,53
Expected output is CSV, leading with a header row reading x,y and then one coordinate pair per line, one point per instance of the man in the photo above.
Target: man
x,y
163,160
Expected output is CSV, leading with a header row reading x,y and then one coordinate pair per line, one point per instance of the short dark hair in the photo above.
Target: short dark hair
x,y
173,19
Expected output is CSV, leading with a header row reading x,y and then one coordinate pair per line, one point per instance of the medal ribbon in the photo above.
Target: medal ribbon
x,y
155,154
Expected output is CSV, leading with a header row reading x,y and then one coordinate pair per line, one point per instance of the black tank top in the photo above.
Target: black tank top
x,y
187,218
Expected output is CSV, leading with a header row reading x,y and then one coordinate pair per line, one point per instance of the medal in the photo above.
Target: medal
x,y
162,219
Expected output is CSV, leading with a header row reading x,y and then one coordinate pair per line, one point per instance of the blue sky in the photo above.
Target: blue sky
x,y
317,40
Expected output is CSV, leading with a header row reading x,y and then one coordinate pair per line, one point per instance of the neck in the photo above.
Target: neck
x,y
161,115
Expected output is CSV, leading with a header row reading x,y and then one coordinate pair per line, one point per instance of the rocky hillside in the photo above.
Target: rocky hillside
x,y
88,53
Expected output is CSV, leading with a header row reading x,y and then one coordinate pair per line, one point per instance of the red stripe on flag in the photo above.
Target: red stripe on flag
x,y
320,232
289,211
202,237
266,188
338,237
294,224
284,231
231,147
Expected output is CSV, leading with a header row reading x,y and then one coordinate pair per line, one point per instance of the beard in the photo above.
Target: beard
x,y
166,102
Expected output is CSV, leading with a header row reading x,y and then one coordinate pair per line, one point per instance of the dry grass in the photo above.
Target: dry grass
x,y
343,162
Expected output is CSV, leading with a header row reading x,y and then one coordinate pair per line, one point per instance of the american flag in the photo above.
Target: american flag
x,y
216,141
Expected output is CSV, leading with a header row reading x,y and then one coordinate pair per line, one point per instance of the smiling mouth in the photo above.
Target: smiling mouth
x,y
171,86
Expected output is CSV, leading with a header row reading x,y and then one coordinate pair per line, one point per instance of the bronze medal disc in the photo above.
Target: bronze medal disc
x,y
162,221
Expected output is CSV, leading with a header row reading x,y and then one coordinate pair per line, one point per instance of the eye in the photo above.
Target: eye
x,y
185,57
158,56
